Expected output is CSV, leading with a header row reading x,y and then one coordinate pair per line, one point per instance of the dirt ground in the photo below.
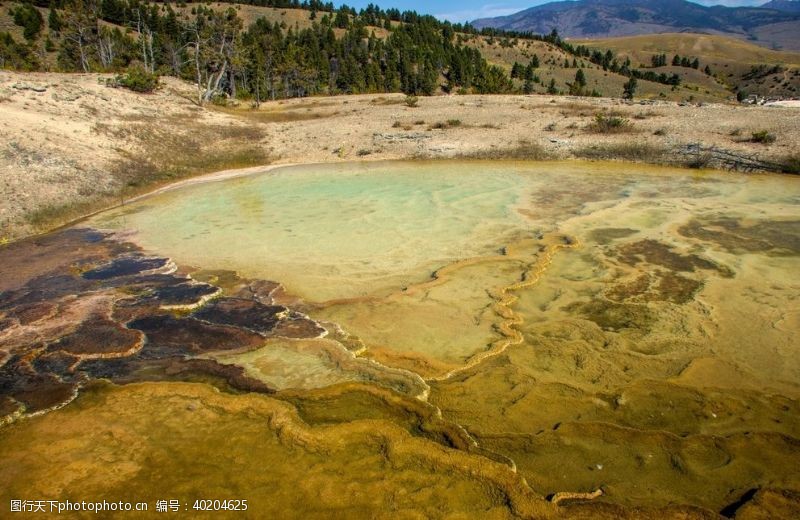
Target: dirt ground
x,y
70,144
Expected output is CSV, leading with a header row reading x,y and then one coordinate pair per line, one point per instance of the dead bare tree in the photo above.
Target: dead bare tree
x,y
215,44
80,29
176,55
146,41
197,43
106,48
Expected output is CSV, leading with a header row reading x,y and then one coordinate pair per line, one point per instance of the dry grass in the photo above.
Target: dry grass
x,y
524,150
164,153
388,101
160,153
277,115
647,115
574,108
639,152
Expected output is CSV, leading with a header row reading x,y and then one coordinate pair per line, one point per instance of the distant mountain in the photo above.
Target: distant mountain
x,y
790,6
777,27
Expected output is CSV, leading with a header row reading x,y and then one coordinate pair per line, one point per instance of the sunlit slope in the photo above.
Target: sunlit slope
x,y
735,64
711,48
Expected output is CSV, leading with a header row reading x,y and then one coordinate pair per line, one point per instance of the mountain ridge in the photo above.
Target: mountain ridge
x,y
776,27
790,6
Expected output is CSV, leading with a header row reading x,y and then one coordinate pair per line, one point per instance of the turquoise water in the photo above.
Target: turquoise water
x,y
331,231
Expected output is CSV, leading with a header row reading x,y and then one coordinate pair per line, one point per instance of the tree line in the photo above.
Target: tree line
x,y
338,54
265,60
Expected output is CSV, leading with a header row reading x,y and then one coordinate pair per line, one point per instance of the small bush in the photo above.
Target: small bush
x,y
660,132
397,124
411,101
138,80
609,124
444,125
699,161
791,164
762,137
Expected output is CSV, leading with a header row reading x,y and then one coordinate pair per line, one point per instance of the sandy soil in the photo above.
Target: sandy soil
x,y
70,141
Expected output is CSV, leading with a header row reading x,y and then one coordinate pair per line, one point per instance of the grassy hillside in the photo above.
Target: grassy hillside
x,y
712,48
504,52
695,86
291,18
735,64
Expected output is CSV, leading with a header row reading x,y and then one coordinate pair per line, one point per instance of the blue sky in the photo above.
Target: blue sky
x,y
465,10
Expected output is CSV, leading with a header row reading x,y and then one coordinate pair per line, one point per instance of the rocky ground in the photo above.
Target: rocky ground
x,y
70,144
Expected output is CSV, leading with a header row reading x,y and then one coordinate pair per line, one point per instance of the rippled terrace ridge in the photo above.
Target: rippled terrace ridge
x,y
429,337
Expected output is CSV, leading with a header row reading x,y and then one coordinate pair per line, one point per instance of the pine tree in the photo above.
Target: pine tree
x,y
629,88
30,19
80,34
54,20
578,86
527,87
580,78
529,72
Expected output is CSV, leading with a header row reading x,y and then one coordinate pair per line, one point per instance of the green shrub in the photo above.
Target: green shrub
x,y
411,101
791,164
30,19
762,137
17,56
138,79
